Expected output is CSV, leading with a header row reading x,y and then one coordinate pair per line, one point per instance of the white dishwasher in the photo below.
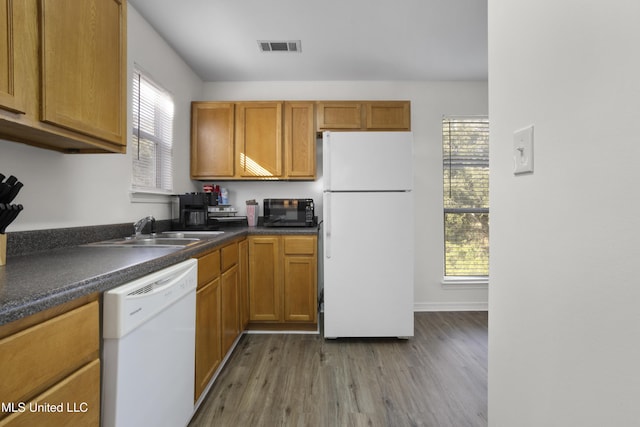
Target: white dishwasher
x,y
149,349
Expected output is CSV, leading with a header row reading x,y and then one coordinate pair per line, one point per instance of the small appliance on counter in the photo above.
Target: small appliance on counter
x,y
226,214
8,212
192,211
289,213
202,212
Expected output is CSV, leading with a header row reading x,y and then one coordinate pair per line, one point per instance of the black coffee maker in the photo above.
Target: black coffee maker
x,y
194,212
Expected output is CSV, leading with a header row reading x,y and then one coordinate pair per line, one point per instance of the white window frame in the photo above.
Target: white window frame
x,y
460,282
159,131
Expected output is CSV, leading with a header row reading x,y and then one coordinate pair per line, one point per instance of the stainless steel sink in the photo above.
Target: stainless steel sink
x,y
148,242
186,234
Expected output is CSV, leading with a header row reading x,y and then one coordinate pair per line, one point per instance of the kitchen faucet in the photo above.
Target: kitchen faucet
x,y
138,226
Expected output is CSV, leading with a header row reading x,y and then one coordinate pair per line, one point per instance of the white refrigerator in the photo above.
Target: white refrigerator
x,y
368,234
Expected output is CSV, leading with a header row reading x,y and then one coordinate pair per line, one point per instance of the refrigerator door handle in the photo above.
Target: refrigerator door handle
x,y
326,148
327,226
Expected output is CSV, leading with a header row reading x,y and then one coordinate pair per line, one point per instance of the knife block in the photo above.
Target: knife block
x,y
3,249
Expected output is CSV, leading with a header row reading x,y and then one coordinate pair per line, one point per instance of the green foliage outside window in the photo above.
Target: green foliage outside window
x,y
466,196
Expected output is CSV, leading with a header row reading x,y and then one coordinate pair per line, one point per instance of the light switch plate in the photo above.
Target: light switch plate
x,y
523,151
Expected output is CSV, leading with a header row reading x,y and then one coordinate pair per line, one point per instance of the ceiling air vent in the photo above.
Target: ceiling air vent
x,y
279,45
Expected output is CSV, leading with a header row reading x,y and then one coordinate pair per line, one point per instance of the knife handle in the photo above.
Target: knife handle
x,y
13,192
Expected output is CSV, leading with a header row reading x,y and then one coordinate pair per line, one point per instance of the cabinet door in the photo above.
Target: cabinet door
x,y
388,115
208,335
300,293
339,115
264,278
84,65
259,139
212,144
299,140
230,319
300,279
243,291
11,90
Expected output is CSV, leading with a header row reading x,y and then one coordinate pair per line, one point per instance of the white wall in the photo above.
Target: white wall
x,y
62,190
564,317
429,102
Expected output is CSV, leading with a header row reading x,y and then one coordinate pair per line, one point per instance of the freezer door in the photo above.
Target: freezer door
x,y
367,161
368,266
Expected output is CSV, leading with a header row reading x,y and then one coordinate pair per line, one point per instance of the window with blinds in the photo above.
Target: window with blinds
x,y
465,144
152,136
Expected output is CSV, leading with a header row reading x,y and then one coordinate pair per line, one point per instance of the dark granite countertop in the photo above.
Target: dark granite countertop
x,y
30,283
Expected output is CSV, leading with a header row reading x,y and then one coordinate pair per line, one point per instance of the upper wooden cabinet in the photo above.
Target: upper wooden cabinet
x,y
299,140
83,63
65,62
212,140
259,139
339,115
364,115
253,140
392,115
277,140
11,90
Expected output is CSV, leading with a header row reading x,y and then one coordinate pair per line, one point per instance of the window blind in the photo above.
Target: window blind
x,y
466,195
152,129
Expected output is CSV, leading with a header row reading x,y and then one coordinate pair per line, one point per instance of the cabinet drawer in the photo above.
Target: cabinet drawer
x,y
300,245
229,256
79,395
208,267
38,357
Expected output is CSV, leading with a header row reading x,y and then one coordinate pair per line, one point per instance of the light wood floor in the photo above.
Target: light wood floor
x,y
437,378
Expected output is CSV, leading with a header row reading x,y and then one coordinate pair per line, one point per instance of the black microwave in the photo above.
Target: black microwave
x,y
289,213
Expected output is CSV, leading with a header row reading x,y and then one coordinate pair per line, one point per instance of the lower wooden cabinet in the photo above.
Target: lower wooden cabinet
x,y
52,358
243,291
259,282
265,279
300,279
283,282
230,312
217,311
76,400
208,335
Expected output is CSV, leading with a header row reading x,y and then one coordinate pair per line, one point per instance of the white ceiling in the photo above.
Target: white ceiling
x,y
341,39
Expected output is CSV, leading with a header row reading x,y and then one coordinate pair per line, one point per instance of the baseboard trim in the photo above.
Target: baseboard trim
x,y
451,306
